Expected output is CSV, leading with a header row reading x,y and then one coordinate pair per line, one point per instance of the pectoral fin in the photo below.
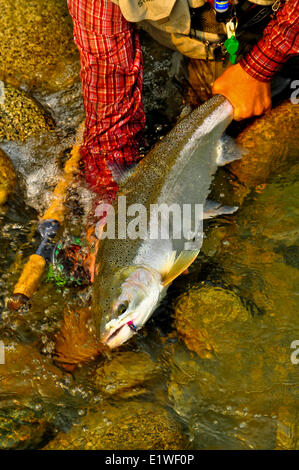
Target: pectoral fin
x,y
228,151
213,209
180,264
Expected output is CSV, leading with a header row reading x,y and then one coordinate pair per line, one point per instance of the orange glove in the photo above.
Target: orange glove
x,y
248,96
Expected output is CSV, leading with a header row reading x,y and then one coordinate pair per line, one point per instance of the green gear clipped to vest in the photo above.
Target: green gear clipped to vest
x,y
232,45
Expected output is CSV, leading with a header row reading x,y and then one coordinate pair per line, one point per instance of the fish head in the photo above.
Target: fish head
x,y
128,301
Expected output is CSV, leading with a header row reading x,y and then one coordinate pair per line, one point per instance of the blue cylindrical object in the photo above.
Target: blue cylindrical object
x,y
221,5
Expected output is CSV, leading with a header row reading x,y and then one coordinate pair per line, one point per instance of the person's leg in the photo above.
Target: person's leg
x,y
111,73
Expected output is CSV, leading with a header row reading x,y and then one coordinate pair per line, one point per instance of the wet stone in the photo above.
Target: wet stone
x,y
28,375
135,425
20,115
287,429
7,178
204,316
31,390
188,383
36,44
22,428
127,374
270,145
239,430
229,403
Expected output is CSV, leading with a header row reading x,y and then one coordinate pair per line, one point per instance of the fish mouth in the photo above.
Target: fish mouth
x,y
118,336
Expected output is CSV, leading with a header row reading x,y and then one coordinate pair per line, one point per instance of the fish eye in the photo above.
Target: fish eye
x,y
122,307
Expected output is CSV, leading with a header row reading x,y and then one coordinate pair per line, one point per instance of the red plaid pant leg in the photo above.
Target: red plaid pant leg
x,y
111,74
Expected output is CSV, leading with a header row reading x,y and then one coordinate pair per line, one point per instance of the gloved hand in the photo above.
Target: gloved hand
x,y
248,96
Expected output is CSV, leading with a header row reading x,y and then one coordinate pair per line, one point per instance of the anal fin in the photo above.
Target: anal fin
x,y
228,151
213,209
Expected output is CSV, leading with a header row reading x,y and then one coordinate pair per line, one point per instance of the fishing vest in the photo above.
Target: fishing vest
x,y
170,23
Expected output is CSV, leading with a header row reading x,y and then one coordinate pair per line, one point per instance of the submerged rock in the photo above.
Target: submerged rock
x,y
203,318
233,402
27,375
135,425
271,145
36,44
40,161
127,374
22,428
31,396
7,178
20,115
287,436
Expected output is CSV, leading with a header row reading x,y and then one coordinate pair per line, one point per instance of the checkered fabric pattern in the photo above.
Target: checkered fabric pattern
x,y
280,41
111,74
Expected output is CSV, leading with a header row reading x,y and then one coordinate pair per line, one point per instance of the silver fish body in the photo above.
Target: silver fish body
x,y
133,274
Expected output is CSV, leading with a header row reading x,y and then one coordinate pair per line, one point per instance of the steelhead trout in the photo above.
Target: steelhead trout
x,y
133,272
